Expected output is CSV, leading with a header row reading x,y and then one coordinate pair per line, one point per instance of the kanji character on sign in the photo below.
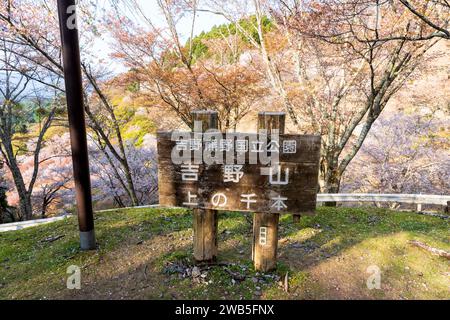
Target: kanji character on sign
x,y
289,146
278,203
196,144
232,173
247,199
181,145
241,145
219,200
212,145
226,144
278,180
257,146
190,198
263,236
273,146
189,172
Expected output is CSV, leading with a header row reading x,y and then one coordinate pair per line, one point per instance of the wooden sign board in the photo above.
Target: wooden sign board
x,y
289,185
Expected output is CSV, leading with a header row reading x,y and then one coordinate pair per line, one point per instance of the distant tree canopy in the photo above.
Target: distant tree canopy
x,y
200,48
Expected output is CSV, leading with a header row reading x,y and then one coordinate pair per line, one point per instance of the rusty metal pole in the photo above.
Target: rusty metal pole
x,y
75,107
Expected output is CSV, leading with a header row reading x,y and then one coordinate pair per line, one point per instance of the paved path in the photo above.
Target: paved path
x,y
26,224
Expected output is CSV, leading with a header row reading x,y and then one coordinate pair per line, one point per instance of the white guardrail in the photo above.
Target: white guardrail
x,y
417,199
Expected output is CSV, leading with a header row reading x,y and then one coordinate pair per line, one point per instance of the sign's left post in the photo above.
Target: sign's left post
x,y
205,220
74,95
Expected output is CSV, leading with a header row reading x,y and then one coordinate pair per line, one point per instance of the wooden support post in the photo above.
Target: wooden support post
x,y
265,241
265,225
275,120
205,235
446,209
205,221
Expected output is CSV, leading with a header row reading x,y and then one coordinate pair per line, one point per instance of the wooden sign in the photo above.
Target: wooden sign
x,y
239,172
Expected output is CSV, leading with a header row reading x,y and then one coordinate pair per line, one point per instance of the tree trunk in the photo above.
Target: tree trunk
x,y
3,202
331,184
45,204
129,178
25,208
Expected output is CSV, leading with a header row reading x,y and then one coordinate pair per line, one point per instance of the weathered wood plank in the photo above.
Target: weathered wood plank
x,y
302,169
265,225
265,241
205,220
307,146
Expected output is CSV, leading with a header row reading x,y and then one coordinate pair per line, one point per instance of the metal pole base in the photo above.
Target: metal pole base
x,y
87,240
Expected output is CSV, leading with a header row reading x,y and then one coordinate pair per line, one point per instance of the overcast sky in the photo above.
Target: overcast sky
x,y
204,21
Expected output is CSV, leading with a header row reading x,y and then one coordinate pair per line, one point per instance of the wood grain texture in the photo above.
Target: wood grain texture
x,y
265,226
264,254
205,235
301,191
192,173
205,220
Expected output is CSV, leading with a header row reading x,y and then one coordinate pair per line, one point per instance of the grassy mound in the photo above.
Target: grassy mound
x,y
146,254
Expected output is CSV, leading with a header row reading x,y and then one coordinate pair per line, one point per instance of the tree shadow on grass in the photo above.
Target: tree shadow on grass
x,y
329,234
339,245
333,230
133,252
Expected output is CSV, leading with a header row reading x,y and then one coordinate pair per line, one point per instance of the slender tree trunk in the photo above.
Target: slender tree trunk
x,y
26,211
3,202
45,203
129,178
117,174
123,156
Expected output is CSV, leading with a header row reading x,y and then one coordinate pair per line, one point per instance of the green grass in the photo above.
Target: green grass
x,y
143,253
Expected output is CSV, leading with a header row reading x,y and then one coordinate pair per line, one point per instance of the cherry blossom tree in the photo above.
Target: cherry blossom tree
x,y
403,154
14,89
54,185
330,67
34,29
143,164
435,14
